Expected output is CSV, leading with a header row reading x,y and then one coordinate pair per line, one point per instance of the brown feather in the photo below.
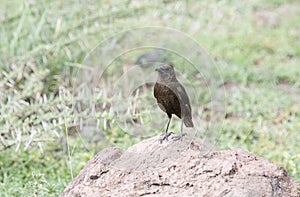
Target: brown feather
x,y
171,96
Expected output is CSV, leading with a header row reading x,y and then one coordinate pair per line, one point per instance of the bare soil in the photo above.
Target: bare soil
x,y
188,167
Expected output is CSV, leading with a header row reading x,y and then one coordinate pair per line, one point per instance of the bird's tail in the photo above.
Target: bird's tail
x,y
188,122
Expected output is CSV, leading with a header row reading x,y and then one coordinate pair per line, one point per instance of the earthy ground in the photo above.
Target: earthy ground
x,y
182,168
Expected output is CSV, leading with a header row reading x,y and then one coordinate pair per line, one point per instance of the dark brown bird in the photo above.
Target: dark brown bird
x,y
172,98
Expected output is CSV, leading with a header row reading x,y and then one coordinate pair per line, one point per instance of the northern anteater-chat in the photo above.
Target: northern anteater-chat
x,y
172,98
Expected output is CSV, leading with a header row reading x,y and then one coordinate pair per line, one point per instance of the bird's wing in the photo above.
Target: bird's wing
x,y
183,98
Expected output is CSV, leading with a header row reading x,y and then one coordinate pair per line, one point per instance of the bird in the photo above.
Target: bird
x,y
151,58
172,98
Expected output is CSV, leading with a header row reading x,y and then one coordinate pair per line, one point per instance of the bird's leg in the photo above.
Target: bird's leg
x,y
178,137
165,137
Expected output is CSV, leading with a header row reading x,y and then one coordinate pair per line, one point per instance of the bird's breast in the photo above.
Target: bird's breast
x,y
167,99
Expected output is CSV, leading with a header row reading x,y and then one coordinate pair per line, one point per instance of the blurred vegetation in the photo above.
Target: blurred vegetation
x,y
256,46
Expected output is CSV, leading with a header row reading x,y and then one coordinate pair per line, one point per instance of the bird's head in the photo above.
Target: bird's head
x,y
166,72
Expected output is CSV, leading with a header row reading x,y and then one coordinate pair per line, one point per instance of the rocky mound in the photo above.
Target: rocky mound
x,y
180,168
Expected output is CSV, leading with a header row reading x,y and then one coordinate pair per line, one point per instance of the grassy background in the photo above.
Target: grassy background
x,y
256,46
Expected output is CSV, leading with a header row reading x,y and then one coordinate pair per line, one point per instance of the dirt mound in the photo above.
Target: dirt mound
x,y
180,168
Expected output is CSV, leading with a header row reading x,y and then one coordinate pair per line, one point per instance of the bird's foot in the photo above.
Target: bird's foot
x,y
165,137
178,137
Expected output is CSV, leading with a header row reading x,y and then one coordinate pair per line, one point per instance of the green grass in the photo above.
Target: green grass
x,y
255,46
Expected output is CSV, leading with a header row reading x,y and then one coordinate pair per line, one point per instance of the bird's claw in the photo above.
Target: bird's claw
x,y
165,137
178,137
